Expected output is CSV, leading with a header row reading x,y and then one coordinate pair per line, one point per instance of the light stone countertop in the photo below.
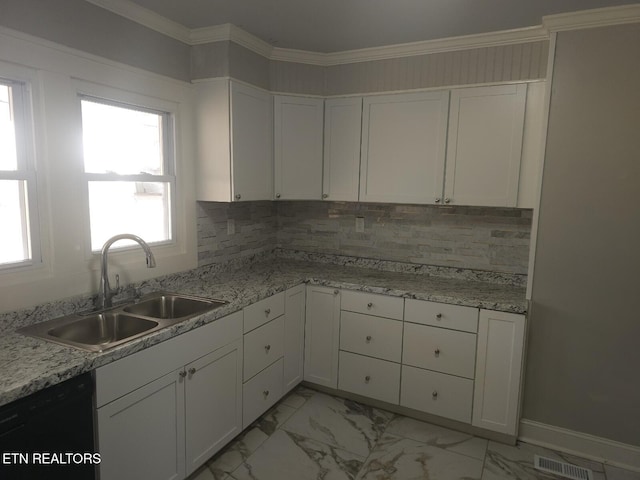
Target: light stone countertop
x,y
28,364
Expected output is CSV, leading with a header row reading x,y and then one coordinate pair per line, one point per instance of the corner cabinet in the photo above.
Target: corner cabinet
x,y
484,145
403,147
162,412
298,132
496,399
234,142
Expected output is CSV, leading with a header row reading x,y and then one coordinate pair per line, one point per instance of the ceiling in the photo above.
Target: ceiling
x,y
338,25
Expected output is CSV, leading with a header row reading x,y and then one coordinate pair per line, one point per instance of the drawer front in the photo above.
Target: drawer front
x,y
437,393
441,315
263,311
373,336
439,349
373,304
263,346
370,377
261,392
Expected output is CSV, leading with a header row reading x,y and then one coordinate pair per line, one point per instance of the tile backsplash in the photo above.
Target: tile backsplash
x,y
482,238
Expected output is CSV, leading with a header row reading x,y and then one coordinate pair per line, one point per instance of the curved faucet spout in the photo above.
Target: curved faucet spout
x,y
105,294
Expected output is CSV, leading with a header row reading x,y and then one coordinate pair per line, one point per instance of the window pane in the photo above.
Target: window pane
x,y
14,240
8,157
121,140
141,208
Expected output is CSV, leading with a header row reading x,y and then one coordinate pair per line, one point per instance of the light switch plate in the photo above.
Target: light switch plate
x,y
360,224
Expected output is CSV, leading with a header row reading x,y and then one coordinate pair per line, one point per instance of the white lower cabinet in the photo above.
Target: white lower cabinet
x,y
261,392
170,423
294,312
370,377
437,393
499,371
321,336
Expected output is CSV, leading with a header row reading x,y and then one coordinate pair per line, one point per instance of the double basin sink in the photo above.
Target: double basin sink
x,y
99,331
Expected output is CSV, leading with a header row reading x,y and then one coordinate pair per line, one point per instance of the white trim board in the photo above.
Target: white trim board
x,y
580,444
227,32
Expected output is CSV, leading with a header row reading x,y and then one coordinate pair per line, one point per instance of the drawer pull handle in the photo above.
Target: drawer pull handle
x,y
368,339
369,305
267,348
439,316
182,374
434,395
267,311
192,371
436,352
367,379
335,292
265,393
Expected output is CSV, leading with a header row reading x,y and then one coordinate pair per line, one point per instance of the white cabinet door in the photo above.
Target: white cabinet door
x,y
342,131
251,141
298,147
485,145
403,147
213,403
294,336
234,136
142,434
322,334
498,371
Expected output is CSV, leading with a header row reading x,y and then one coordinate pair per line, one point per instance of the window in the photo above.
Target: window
x,y
129,168
19,244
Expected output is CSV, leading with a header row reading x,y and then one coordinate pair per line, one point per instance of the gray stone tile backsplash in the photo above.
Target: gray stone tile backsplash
x,y
482,238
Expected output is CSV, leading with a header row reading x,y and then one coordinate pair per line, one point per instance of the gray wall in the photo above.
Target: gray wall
x,y
84,26
583,366
492,239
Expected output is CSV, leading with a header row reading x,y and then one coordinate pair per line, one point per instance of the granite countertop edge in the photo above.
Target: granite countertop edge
x,y
29,364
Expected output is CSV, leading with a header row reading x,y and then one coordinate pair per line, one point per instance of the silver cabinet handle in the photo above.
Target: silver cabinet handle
x,y
367,379
369,305
265,393
437,200
436,352
325,195
192,371
267,311
277,195
182,374
335,292
447,200
267,348
439,316
368,339
434,395
238,196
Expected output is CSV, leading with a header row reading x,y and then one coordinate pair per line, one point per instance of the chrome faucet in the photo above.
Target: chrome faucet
x,y
106,294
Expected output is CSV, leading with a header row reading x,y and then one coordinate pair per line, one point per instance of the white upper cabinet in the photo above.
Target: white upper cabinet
x,y
485,145
298,147
403,147
342,133
235,132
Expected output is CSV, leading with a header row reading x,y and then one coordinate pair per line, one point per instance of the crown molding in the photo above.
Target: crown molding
x,y
230,33
598,17
145,17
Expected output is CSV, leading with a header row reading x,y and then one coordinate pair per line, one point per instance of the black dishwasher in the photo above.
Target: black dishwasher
x,y
49,434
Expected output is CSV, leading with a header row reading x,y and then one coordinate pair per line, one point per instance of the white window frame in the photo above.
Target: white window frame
x,y
167,110
26,171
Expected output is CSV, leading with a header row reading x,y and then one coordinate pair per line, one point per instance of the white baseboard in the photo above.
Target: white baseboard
x,y
580,444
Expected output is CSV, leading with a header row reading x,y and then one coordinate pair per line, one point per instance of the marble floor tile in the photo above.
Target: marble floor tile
x,y
616,473
298,396
286,455
342,423
516,463
396,458
437,436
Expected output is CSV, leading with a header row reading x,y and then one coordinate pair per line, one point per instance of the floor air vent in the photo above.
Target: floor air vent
x,y
562,469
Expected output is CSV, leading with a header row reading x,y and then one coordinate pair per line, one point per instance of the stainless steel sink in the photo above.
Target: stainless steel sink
x,y
99,331
171,306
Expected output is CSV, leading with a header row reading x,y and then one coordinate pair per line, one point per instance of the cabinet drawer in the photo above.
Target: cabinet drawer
x,y
439,349
437,393
261,392
261,312
373,336
372,304
263,346
370,377
441,315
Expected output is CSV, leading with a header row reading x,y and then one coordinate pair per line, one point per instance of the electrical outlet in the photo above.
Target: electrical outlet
x,y
360,224
231,226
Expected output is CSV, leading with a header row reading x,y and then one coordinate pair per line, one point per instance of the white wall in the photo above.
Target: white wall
x,y
68,267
